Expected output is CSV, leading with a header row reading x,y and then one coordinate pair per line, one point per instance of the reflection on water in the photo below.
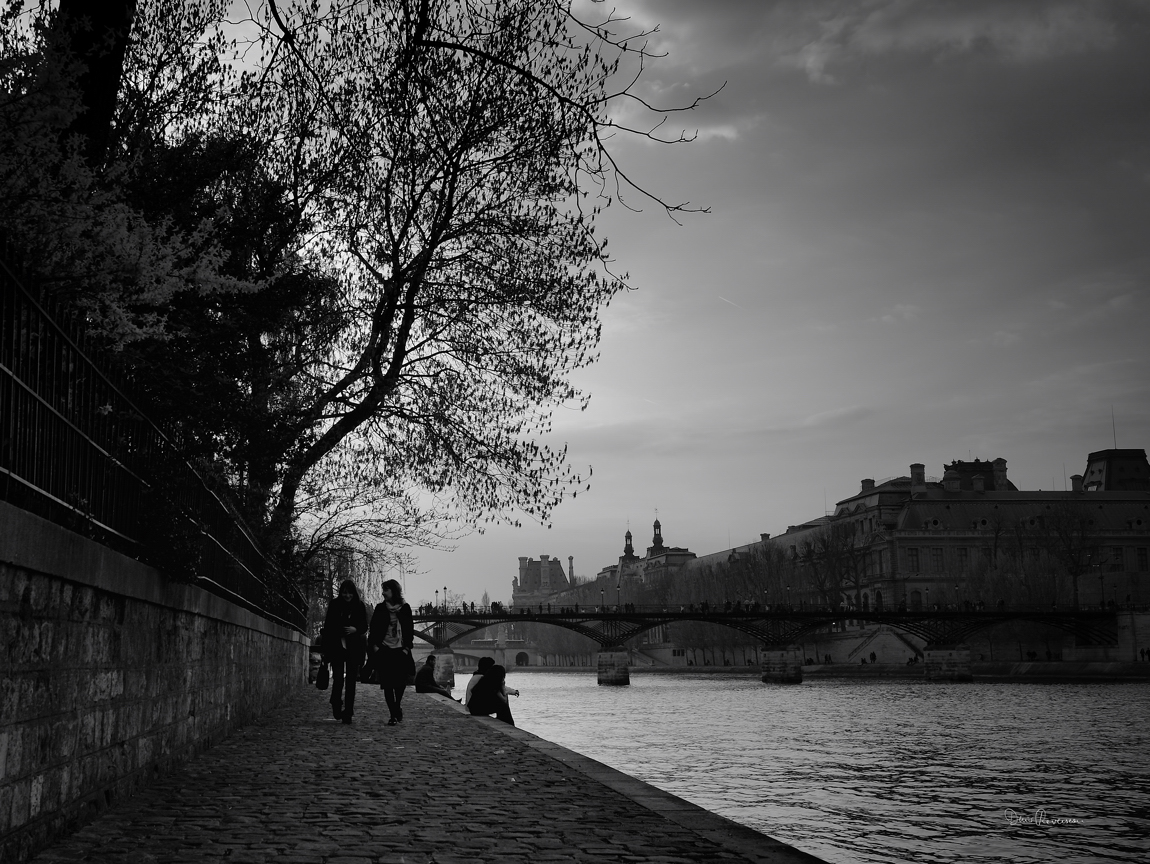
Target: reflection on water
x,y
878,771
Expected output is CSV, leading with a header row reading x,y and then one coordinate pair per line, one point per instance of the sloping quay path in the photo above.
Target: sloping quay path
x,y
442,787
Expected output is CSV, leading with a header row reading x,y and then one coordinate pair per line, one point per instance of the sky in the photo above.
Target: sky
x,y
927,241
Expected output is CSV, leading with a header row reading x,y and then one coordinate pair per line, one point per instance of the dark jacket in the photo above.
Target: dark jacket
x,y
425,680
381,620
340,614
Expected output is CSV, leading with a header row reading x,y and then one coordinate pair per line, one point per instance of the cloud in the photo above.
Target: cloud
x,y
823,419
901,312
1004,338
1009,32
726,131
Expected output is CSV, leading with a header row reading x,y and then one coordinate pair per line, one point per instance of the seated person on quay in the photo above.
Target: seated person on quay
x,y
489,695
425,680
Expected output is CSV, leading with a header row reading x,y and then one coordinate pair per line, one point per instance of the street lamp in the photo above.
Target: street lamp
x,y
788,595
445,598
436,598
603,599
618,594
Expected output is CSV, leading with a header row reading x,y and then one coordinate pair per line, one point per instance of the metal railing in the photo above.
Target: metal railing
x,y
75,450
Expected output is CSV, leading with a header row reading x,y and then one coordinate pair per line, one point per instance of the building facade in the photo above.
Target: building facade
x,y
539,581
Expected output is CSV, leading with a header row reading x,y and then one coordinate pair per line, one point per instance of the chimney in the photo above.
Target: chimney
x,y
999,475
979,483
868,485
917,475
1075,482
764,537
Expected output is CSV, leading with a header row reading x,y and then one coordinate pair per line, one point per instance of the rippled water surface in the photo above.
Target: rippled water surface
x,y
877,771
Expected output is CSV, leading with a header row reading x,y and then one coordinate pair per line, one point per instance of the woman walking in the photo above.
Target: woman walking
x,y
344,639
392,635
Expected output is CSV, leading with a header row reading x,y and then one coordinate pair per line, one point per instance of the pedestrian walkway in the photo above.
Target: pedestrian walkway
x,y
442,787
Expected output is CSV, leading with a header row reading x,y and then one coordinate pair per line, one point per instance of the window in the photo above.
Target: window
x,y
963,557
915,601
1116,560
912,559
878,600
986,553
936,560
1143,559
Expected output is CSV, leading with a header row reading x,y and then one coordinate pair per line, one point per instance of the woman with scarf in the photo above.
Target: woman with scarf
x,y
392,635
344,639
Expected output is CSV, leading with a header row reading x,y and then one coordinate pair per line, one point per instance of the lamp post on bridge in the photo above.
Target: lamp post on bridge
x,y
445,599
437,598
603,599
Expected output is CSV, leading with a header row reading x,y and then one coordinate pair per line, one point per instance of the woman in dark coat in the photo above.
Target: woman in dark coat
x,y
392,635
344,641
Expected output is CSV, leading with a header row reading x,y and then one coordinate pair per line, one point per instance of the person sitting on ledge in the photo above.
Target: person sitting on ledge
x,y
489,696
425,680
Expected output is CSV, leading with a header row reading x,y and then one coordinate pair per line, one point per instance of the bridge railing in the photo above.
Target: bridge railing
x,y
75,450
432,611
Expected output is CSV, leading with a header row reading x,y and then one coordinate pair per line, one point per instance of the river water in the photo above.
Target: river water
x,y
900,770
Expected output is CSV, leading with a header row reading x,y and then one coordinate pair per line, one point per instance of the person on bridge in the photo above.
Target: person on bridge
x,y
390,641
489,696
425,680
344,632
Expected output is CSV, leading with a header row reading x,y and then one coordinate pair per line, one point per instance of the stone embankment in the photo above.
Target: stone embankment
x,y
298,787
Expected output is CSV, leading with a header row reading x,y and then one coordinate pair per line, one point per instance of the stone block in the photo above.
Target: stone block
x,y
613,668
12,581
21,791
10,695
38,594
948,663
782,665
83,601
6,791
64,733
444,667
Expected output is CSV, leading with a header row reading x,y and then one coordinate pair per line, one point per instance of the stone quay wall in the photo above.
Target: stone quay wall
x,y
111,675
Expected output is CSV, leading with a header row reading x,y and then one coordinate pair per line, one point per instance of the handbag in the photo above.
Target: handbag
x,y
321,677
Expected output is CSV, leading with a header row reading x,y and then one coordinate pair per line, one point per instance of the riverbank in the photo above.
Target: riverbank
x,y
1061,671
298,787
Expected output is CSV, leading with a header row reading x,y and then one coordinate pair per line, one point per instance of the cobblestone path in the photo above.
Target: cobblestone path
x,y
301,788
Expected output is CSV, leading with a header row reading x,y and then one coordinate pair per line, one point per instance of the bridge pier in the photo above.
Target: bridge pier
x,y
613,670
444,667
782,665
947,663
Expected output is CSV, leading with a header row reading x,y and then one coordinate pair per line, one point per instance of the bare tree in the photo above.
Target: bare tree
x,y
439,167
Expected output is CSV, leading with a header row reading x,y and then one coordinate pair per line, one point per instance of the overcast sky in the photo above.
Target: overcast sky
x,y
928,240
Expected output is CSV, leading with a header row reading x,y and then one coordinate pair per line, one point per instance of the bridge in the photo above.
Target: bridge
x,y
778,629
